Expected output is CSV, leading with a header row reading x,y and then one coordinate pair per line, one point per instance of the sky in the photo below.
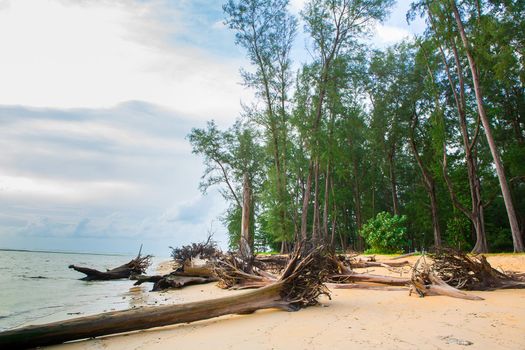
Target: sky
x,y
96,100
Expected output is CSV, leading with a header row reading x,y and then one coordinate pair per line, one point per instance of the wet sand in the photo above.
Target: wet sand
x,y
361,319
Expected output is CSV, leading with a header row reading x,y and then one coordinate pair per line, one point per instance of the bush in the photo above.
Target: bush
x,y
385,234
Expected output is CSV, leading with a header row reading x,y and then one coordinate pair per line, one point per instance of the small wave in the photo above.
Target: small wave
x,y
34,277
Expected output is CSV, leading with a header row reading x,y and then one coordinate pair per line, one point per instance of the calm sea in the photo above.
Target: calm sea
x,y
38,287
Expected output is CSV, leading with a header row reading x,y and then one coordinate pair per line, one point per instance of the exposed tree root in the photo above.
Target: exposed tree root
x,y
471,272
426,282
203,250
235,273
271,263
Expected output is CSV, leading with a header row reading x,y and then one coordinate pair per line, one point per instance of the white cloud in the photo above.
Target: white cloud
x,y
95,131
387,35
101,174
97,54
296,6
64,190
219,25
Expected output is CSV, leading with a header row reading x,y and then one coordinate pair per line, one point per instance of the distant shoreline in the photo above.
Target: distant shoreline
x,y
60,252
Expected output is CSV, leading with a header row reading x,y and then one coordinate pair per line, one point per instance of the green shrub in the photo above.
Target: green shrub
x,y
385,234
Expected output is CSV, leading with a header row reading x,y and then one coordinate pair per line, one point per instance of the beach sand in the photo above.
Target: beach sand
x,y
353,319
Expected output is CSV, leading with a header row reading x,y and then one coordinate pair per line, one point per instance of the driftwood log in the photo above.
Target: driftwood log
x,y
370,278
135,267
299,286
404,256
366,286
172,281
359,264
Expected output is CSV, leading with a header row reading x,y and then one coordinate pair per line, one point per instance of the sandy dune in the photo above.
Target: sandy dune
x,y
353,319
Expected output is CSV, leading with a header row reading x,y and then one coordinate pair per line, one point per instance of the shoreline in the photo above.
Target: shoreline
x,y
365,318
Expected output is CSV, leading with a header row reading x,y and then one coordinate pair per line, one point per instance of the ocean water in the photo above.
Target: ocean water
x,y
38,287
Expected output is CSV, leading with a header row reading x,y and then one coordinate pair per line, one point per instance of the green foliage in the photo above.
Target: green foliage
x,y
361,131
232,220
458,232
385,233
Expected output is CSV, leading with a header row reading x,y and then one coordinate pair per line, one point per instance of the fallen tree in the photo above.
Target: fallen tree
x,y
404,256
356,264
425,282
300,286
173,281
354,277
133,268
469,272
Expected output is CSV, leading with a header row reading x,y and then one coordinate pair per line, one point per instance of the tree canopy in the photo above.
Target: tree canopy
x,y
428,134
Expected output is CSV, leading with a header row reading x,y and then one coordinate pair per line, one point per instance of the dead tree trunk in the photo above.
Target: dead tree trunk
x,y
300,286
172,281
365,277
142,318
136,266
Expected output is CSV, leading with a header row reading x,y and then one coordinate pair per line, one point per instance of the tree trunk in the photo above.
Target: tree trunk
x,y
141,318
299,286
135,267
334,216
436,228
360,244
475,214
429,184
306,204
325,203
245,245
393,183
366,277
516,236
316,225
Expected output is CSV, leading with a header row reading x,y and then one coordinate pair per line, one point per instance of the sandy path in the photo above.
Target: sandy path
x,y
352,319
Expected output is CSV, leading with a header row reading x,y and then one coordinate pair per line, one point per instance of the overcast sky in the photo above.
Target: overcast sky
x,y
96,98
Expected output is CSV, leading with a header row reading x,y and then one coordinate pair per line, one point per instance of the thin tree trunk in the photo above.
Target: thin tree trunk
x,y
429,184
475,214
306,204
326,200
516,236
360,244
315,226
245,245
393,183
334,223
